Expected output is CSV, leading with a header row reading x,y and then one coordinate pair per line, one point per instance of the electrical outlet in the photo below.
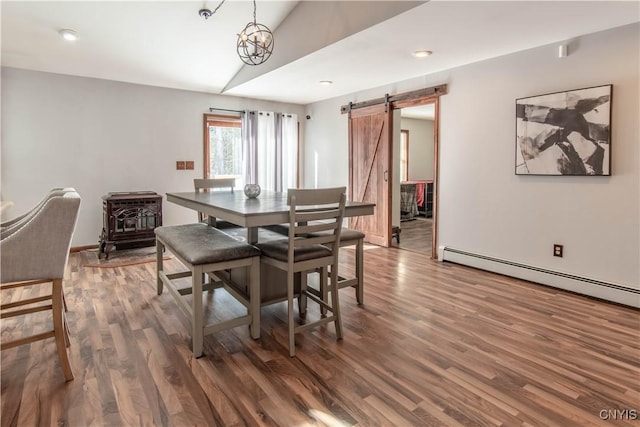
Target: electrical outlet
x,y
189,165
180,165
557,250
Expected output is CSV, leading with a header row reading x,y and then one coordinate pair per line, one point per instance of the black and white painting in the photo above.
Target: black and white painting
x,y
564,133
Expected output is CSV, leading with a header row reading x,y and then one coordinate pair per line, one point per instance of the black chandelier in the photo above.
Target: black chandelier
x,y
255,41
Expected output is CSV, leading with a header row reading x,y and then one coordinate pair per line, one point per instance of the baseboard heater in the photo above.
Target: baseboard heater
x,y
607,291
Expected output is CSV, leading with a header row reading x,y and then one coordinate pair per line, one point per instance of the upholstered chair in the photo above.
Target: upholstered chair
x,y
34,252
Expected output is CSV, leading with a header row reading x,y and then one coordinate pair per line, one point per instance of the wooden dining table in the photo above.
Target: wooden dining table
x,y
269,208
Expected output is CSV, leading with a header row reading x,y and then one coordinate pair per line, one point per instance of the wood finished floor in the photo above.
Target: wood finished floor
x,y
416,235
435,344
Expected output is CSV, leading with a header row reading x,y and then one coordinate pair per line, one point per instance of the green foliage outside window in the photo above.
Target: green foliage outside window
x,y
225,151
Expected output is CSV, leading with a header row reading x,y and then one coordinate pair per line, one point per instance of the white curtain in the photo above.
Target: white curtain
x,y
249,132
289,151
271,149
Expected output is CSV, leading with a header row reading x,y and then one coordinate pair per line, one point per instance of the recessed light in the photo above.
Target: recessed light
x,y
422,53
68,35
325,82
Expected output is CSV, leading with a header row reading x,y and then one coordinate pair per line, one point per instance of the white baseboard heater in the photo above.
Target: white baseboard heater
x,y
607,291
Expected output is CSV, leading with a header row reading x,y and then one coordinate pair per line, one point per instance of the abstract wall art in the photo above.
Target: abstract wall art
x,y
564,133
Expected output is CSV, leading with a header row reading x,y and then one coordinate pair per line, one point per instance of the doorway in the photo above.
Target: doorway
x,y
372,126
413,158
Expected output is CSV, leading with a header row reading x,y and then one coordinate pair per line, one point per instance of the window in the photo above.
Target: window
x,y
257,147
223,148
404,155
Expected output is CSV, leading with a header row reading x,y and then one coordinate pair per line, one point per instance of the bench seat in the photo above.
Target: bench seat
x,y
206,250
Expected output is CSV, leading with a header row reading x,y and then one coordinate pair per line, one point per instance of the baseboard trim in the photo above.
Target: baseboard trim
x,y
613,292
82,248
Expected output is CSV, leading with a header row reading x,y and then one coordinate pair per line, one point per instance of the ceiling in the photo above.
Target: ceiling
x,y
355,44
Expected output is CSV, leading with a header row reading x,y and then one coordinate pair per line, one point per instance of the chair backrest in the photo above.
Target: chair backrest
x,y
25,216
39,247
315,217
212,184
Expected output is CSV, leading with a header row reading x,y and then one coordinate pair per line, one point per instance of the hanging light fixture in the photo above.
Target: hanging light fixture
x,y
255,42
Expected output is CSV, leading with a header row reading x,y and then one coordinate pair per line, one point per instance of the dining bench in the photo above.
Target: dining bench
x,y
206,250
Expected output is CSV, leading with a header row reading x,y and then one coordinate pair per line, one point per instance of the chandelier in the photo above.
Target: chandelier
x,y
255,41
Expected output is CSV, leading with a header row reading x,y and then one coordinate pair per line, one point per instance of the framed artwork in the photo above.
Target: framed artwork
x,y
564,133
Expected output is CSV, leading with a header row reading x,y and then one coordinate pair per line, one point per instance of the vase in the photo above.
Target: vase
x,y
252,190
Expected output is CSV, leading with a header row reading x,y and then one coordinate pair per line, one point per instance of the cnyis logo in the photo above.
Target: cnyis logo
x,y
619,414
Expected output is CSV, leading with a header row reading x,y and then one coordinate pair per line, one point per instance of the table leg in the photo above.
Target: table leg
x,y
252,235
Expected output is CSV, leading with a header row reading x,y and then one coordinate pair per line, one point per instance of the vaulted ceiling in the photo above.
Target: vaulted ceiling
x,y
355,44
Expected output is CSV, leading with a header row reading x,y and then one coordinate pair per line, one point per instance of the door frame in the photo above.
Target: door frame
x,y
429,95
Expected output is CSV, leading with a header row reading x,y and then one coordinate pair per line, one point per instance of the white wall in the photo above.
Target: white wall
x,y
483,206
100,136
420,148
326,159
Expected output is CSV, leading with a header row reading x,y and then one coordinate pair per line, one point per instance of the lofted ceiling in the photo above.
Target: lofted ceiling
x,y
355,44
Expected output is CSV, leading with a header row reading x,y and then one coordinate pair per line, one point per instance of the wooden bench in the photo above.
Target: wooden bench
x,y
205,250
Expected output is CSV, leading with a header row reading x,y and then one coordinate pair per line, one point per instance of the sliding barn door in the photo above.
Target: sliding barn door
x,y
370,170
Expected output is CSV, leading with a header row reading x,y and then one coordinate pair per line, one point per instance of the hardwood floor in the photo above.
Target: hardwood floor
x,y
435,344
416,235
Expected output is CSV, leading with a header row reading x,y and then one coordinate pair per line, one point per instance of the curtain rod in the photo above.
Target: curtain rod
x,y
224,109
211,109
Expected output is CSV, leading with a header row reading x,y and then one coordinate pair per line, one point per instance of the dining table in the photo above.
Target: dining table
x,y
269,208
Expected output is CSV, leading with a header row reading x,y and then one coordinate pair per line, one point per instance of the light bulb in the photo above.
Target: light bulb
x,y
422,53
68,35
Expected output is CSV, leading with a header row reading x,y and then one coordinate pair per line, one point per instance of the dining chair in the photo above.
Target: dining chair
x,y
9,227
311,211
214,184
25,216
348,237
35,253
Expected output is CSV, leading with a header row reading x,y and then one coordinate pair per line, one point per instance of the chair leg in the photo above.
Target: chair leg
x,y
324,291
302,298
159,265
335,301
67,340
59,329
290,320
360,271
64,320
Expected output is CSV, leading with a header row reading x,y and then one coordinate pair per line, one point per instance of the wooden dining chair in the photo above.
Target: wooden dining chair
x,y
214,184
315,224
35,253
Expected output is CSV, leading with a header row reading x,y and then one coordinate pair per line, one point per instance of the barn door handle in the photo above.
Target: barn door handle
x,y
386,176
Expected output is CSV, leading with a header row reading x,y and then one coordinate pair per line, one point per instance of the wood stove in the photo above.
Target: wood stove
x,y
129,219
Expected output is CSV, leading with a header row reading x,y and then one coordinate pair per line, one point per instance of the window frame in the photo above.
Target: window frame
x,y
215,120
